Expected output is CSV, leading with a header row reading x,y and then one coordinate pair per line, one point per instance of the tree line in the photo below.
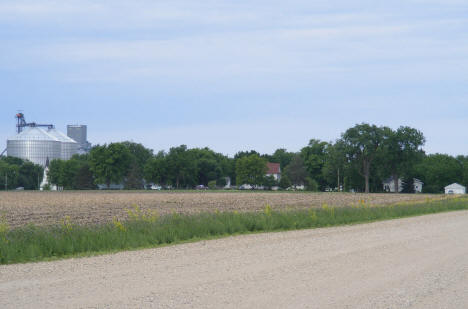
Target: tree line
x,y
15,173
359,160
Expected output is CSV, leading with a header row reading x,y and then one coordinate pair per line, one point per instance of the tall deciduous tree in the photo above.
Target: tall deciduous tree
x,y
296,171
335,164
9,174
134,179
181,167
464,166
209,165
284,182
362,144
140,154
56,173
16,172
402,150
437,171
110,163
314,156
251,170
156,169
84,179
282,156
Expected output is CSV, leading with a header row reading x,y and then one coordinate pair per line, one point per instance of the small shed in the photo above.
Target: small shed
x,y
455,188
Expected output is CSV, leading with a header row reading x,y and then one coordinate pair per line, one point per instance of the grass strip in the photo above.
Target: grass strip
x,y
145,229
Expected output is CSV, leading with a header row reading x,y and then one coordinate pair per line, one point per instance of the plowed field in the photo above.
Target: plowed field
x,y
42,208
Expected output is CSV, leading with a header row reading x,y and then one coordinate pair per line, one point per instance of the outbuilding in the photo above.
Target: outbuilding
x,y
455,188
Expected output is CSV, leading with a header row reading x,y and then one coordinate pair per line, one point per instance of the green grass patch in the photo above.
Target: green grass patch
x,y
145,229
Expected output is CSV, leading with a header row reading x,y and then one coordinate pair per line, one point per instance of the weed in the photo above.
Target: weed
x,y
66,224
118,225
136,214
4,228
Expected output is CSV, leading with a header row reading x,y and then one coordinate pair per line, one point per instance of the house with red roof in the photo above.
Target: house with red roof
x,y
274,170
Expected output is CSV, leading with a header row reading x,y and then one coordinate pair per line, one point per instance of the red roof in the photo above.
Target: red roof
x,y
273,168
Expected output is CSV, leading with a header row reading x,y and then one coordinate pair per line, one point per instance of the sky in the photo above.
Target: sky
x,y
236,75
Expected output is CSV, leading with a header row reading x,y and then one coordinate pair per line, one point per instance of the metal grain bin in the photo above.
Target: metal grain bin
x,y
34,144
68,146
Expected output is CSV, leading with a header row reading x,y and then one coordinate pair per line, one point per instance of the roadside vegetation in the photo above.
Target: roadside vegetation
x,y
143,229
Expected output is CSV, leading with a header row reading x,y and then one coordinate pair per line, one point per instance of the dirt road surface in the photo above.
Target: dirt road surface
x,y
419,262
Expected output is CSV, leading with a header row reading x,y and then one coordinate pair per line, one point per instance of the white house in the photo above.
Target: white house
x,y
389,185
418,185
455,188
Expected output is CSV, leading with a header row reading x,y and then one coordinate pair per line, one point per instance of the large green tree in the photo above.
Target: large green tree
x,y
251,170
16,172
139,157
84,179
335,164
242,154
156,169
282,156
438,171
315,155
74,174
110,163
210,165
140,154
56,173
296,171
9,174
362,144
181,167
402,150
464,166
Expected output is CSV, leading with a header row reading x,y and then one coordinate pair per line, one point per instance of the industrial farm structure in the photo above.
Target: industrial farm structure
x,y
41,143
78,132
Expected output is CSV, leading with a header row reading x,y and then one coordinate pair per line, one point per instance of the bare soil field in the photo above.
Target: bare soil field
x,y
83,207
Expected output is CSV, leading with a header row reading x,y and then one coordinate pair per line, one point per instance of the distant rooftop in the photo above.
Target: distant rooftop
x,y
273,168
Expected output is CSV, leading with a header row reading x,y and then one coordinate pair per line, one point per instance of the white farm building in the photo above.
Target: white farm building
x,y
455,188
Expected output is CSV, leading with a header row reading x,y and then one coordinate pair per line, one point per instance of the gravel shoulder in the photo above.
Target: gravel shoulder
x,y
418,262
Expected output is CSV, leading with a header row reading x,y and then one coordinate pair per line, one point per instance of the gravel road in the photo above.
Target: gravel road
x,y
419,262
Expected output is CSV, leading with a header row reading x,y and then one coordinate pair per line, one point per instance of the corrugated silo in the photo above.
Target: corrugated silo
x,y
78,133
34,144
68,146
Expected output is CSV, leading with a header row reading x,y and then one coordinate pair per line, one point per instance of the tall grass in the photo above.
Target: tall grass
x,y
147,229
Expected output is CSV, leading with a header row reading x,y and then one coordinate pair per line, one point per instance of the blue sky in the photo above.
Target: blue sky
x,y
236,75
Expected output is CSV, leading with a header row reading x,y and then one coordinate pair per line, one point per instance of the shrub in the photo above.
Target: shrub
x,y
212,184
